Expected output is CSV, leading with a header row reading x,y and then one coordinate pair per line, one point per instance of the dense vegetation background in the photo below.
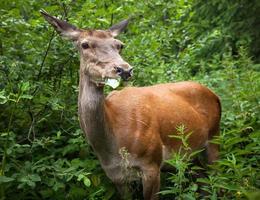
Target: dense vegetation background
x,y
43,152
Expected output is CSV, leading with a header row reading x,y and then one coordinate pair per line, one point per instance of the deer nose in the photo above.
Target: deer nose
x,y
123,73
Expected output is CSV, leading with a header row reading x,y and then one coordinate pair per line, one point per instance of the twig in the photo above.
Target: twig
x,y
45,55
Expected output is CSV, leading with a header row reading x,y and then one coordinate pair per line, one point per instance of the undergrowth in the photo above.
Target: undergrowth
x,y
43,152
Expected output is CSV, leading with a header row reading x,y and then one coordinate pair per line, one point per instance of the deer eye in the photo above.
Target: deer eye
x,y
85,45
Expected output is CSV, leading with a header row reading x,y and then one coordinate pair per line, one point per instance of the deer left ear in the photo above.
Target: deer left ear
x,y
64,28
118,28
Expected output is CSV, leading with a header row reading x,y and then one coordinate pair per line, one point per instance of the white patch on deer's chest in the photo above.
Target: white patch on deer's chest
x,y
122,168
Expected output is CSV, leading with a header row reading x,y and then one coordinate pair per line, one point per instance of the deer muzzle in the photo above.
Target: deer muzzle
x,y
125,74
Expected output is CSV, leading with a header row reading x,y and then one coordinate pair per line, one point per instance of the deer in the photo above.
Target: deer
x,y
129,129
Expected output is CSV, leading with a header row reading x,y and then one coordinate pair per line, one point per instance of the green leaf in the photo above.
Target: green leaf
x,y
35,177
5,179
31,183
25,86
80,177
3,98
26,96
87,182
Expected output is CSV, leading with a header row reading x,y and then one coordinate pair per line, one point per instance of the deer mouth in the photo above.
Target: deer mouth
x,y
111,82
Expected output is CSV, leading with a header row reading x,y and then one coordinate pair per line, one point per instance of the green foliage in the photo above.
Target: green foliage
x,y
181,185
44,153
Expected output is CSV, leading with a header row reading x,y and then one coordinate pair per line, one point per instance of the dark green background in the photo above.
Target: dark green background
x,y
44,154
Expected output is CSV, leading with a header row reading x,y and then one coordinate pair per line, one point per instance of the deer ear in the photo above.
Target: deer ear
x,y
118,28
64,28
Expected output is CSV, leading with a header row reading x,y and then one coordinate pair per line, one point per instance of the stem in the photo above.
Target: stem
x,y
45,55
43,61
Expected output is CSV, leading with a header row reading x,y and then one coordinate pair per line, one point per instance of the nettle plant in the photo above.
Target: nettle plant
x,y
182,182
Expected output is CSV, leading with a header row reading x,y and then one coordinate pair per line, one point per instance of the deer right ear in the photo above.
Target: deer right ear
x,y
64,28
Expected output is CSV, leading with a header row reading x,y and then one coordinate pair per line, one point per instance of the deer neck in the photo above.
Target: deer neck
x,y
91,105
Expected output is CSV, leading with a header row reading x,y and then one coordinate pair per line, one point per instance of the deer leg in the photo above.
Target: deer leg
x,y
213,149
123,190
212,152
151,182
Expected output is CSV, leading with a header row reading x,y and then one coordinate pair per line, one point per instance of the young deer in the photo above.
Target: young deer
x,y
129,129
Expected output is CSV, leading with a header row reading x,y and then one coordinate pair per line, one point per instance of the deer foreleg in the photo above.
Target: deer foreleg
x,y
151,182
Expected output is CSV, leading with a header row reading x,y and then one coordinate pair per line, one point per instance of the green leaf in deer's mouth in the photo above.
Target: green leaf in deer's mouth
x,y
114,83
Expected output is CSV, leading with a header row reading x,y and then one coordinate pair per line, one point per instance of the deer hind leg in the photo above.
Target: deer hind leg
x,y
213,149
212,152
151,182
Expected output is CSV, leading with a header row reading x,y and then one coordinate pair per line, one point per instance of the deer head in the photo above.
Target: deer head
x,y
99,50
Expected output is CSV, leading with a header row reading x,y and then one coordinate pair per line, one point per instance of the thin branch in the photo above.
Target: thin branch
x,y
45,55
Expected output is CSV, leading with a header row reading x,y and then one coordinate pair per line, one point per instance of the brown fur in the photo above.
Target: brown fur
x,y
137,114
96,33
